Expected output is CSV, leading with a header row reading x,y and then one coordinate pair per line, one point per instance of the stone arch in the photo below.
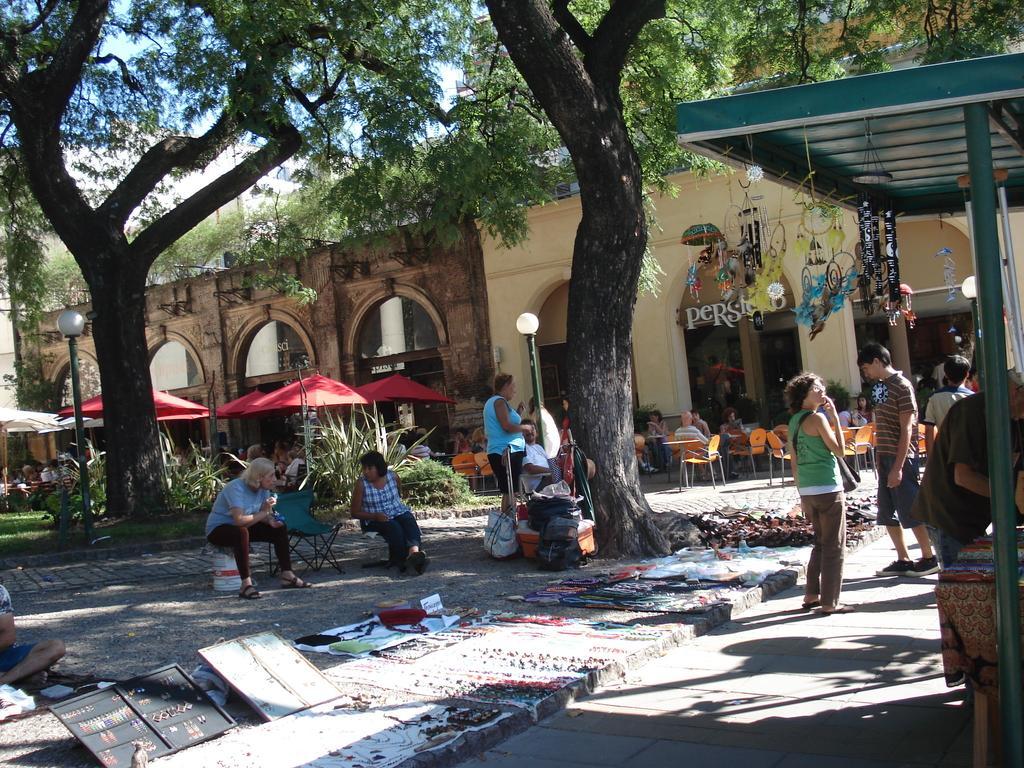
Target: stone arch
x,y
88,369
252,325
190,350
369,303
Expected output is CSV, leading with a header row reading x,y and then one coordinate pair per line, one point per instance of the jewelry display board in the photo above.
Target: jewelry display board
x,y
162,711
272,677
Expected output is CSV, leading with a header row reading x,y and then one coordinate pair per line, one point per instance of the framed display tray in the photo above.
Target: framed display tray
x,y
270,674
163,711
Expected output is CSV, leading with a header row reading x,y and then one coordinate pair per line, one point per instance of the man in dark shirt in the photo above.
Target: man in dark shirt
x,y
896,460
955,494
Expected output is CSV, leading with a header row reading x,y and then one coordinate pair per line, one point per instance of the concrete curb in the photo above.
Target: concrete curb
x,y
471,744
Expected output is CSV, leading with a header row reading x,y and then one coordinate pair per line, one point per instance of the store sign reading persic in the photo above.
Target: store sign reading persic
x,y
722,313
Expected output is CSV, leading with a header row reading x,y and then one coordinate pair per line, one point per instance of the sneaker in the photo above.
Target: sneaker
x,y
897,568
924,567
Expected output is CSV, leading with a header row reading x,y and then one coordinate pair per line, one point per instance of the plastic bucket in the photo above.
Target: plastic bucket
x,y
225,572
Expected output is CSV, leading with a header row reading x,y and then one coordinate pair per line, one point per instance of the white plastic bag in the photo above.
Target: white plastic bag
x,y
500,534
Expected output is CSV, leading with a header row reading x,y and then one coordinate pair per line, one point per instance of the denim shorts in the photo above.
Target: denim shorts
x,y
894,504
14,655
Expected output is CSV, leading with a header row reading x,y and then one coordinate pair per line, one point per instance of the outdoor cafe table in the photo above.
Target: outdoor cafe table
x,y
966,601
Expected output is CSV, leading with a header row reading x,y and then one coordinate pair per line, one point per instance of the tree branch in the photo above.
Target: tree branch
x,y
159,160
284,143
616,34
568,21
130,80
32,26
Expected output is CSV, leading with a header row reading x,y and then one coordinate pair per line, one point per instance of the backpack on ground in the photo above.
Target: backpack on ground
x,y
559,547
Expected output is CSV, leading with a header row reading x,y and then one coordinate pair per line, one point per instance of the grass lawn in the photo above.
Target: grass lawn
x,y
25,533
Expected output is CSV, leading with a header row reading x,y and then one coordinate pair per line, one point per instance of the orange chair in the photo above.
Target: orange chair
x,y
756,446
864,445
922,446
484,465
697,454
777,450
782,430
465,464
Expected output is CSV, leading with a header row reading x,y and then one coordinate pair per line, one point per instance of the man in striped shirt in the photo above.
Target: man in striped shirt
x,y
895,408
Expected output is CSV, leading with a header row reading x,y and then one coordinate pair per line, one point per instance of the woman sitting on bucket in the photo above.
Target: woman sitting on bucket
x,y
377,505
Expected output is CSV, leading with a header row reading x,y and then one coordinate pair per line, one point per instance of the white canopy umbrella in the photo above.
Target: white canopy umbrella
x,y
14,420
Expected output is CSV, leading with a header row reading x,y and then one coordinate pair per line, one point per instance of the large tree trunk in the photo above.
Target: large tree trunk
x,y
134,463
581,98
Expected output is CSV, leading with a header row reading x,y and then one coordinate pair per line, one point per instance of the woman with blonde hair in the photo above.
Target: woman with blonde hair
x,y
244,512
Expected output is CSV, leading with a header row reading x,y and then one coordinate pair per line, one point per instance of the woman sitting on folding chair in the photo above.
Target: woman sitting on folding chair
x,y
244,512
377,505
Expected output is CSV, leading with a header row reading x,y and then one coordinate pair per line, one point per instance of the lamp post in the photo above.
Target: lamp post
x,y
969,288
71,324
527,324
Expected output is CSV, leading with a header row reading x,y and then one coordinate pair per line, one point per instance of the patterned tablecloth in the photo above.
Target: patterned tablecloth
x,y
966,598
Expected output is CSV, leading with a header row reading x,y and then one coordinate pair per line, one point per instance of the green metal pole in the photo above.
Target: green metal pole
x,y
83,460
976,333
993,360
531,344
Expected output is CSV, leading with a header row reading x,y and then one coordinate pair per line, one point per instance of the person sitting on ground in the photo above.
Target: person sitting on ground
x,y
956,370
536,472
955,498
657,437
377,505
254,451
244,512
21,660
699,423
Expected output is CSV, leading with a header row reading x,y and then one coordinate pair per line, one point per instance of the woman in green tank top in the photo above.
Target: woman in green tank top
x,y
815,443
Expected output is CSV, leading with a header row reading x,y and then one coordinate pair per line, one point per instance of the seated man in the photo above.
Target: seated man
x,y
688,431
536,472
20,660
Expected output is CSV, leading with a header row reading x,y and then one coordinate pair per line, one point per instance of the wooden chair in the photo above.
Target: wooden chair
x,y
697,454
864,445
777,450
756,446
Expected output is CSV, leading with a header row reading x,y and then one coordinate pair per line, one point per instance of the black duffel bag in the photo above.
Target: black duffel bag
x,y
541,510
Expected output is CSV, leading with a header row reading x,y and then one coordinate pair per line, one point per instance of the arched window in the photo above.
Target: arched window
x,y
88,381
396,326
276,347
174,367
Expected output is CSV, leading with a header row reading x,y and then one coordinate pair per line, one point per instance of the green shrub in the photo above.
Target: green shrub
x,y
192,482
340,444
641,416
432,484
839,394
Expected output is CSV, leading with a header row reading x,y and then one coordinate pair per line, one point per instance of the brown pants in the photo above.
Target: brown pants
x,y
825,568
238,537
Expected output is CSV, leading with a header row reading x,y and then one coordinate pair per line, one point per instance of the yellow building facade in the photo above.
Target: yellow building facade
x,y
688,350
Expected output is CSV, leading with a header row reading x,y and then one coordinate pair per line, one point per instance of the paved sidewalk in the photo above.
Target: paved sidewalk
x,y
776,688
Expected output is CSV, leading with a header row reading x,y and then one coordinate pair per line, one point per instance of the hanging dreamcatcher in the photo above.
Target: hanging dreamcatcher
x,y
707,236
748,227
948,273
826,283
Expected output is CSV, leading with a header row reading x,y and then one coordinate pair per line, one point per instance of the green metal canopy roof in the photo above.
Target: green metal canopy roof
x,y
916,123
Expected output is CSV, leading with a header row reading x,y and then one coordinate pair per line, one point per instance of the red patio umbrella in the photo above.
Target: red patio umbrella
x,y
399,389
320,392
168,408
238,407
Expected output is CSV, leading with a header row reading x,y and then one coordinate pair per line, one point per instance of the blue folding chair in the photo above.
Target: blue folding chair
x,y
303,527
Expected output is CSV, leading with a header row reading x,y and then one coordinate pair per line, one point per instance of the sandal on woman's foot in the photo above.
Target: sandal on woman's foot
x,y
249,592
838,609
294,583
809,604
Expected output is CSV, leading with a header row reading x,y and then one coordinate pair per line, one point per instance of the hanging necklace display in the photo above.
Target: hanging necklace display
x,y
892,264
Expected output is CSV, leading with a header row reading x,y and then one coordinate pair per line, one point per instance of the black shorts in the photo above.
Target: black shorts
x,y
499,470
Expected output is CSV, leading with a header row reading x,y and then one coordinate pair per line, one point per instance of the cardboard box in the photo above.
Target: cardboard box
x,y
529,538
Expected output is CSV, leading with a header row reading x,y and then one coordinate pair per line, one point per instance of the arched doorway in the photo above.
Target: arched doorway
x,y
554,317
173,366
731,362
275,353
400,336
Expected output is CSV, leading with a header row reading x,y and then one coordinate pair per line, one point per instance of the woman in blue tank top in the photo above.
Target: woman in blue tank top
x,y
502,424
